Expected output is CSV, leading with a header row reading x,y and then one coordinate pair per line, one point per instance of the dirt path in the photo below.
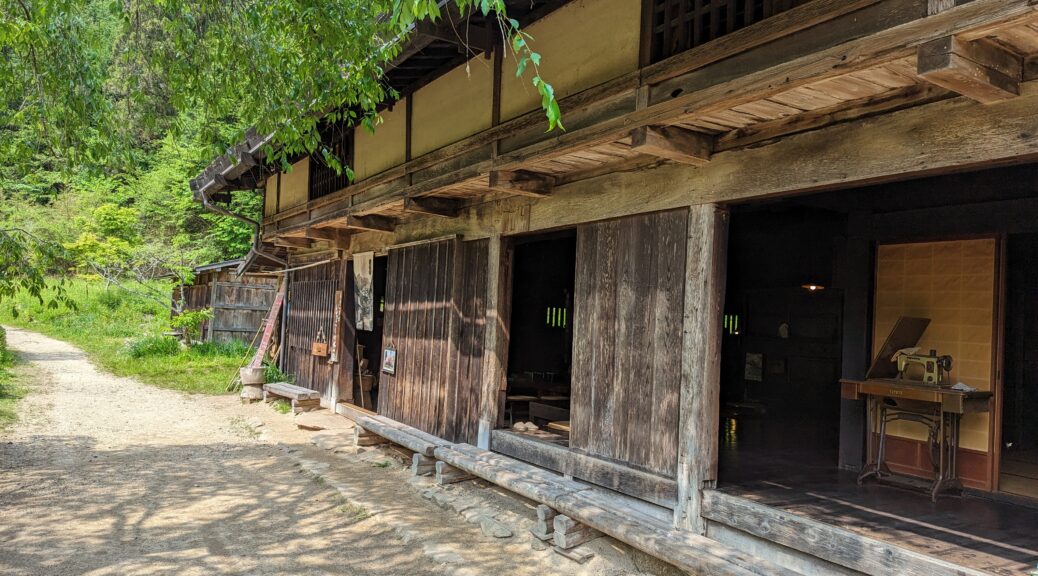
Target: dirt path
x,y
104,475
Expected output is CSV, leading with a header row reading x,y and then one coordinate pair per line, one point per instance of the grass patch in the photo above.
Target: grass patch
x,y
382,464
10,390
122,333
353,512
241,427
282,406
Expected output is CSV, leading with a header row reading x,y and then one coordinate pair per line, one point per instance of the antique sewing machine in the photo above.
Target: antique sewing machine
x,y
894,390
934,368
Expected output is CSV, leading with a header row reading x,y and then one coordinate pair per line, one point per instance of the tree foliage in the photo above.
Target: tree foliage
x,y
109,107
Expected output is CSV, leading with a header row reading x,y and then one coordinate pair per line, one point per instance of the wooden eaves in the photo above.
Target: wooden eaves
x,y
874,39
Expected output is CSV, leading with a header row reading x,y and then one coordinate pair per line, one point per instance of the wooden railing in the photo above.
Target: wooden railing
x,y
679,25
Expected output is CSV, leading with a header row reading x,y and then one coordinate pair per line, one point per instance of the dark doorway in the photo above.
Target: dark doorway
x,y
541,341
781,348
369,342
1018,472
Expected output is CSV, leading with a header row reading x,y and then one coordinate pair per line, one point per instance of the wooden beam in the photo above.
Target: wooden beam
x,y
700,397
430,206
372,222
977,69
897,99
826,541
673,143
338,237
521,183
614,476
290,242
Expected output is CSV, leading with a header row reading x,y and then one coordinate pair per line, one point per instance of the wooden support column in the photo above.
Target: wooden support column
x,y
701,362
568,533
422,465
544,529
856,282
495,343
447,474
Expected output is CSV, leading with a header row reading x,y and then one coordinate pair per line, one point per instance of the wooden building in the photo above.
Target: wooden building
x,y
691,291
240,303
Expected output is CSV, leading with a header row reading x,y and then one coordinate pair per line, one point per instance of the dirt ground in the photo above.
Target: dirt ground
x,y
104,475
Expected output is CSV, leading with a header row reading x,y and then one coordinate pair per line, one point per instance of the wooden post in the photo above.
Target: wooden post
x,y
856,282
701,362
495,344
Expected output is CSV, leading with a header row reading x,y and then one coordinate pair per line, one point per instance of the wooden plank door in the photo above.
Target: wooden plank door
x,y
311,314
628,310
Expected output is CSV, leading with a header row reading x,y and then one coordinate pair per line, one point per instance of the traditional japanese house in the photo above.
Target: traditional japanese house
x,y
696,292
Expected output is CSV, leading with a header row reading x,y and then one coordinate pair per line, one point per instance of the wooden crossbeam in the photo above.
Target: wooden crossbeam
x,y
673,143
521,183
443,207
373,222
338,237
289,242
979,70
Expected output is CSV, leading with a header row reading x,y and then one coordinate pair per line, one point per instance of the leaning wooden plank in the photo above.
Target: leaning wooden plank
x,y
825,541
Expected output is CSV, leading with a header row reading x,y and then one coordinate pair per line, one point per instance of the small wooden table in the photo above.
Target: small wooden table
x,y
939,409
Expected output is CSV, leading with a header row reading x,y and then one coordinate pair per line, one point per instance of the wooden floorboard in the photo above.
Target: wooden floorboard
x,y
984,535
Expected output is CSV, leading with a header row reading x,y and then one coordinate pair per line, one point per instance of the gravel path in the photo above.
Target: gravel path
x,y
104,475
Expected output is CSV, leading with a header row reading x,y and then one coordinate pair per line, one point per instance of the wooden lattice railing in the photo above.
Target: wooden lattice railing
x,y
678,25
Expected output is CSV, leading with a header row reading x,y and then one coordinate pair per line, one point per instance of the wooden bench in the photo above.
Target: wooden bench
x,y
303,399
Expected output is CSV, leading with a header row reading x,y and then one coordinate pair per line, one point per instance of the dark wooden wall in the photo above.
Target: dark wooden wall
x,y
311,307
628,310
240,303
435,314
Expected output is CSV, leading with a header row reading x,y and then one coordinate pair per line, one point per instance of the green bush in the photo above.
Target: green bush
x,y
153,346
3,344
271,374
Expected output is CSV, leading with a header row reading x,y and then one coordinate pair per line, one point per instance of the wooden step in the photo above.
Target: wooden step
x,y
291,391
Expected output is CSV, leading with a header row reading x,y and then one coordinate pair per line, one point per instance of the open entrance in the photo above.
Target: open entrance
x,y
369,341
781,349
1019,461
541,344
914,272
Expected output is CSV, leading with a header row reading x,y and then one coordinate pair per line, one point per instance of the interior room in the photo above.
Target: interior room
x,y
541,340
369,342
817,425
1019,441
781,347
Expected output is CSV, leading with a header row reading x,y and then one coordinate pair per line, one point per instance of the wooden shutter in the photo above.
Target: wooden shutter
x,y
628,306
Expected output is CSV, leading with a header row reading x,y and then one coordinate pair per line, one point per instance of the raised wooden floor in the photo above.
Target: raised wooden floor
x,y
987,535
